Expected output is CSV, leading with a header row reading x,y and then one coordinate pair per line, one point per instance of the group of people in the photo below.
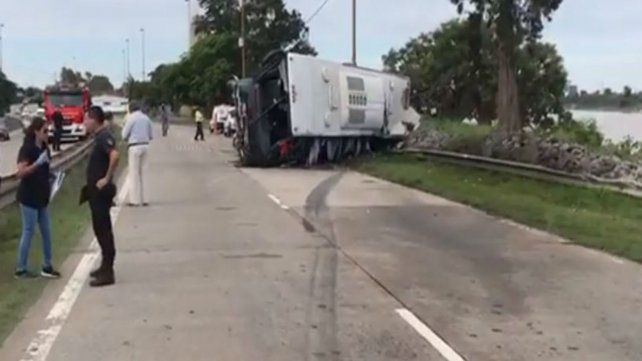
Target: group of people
x,y
34,191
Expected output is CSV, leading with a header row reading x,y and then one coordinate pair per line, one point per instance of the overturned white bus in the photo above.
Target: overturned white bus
x,y
300,109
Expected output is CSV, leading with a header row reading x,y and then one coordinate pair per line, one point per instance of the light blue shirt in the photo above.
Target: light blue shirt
x,y
138,128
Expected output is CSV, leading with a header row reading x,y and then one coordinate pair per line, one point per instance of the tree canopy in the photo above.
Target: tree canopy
x,y
71,77
98,84
514,22
200,77
269,25
455,71
8,91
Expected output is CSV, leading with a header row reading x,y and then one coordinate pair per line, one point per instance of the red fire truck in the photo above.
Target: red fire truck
x,y
73,103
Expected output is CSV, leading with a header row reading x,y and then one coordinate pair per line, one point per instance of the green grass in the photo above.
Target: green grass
x,y
463,138
69,222
594,218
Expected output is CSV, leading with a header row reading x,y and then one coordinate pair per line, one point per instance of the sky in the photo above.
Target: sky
x,y
599,40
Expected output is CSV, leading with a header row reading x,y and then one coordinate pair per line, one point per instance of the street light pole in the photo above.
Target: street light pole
x,y
129,72
1,60
354,32
190,33
242,41
124,66
142,31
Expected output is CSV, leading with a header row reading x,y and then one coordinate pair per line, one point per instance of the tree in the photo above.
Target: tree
x,y
100,84
513,22
442,73
608,91
200,78
70,77
8,91
542,79
628,92
269,26
454,70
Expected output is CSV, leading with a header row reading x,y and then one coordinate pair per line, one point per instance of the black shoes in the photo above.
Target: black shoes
x,y
102,277
97,272
49,272
24,275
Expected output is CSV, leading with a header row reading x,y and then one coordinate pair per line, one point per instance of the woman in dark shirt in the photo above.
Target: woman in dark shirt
x,y
33,196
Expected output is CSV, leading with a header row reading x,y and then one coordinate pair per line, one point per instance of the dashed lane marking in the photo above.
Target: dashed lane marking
x,y
276,200
437,342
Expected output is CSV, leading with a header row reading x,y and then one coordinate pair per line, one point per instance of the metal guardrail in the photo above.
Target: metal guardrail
x,y
60,162
526,170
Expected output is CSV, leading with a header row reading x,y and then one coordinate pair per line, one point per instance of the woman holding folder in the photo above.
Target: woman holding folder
x,y
33,195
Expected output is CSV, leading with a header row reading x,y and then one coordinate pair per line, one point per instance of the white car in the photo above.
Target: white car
x,y
4,131
230,125
220,115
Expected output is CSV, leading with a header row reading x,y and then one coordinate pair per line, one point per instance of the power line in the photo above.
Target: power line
x,y
317,11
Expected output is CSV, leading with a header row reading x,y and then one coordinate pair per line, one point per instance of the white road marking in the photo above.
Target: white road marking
x,y
276,200
40,346
440,345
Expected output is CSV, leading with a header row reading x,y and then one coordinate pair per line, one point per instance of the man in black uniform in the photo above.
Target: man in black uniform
x,y
100,192
58,121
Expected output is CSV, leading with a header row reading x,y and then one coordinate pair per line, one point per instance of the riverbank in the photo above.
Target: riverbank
x,y
593,218
616,126
574,147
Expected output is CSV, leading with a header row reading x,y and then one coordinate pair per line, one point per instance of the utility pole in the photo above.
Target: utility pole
x,y
129,73
142,31
190,25
124,66
242,42
1,60
354,32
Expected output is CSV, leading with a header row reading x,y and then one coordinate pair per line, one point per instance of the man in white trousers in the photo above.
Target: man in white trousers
x,y
138,134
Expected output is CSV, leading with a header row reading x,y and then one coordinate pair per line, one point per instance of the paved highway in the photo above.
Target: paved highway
x,y
290,264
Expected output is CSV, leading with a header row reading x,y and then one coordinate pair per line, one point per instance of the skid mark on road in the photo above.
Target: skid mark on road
x,y
321,338
40,346
318,216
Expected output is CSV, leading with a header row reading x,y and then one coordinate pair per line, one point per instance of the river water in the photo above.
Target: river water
x,y
614,125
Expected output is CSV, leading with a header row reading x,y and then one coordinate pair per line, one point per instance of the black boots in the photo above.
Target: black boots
x,y
97,271
102,277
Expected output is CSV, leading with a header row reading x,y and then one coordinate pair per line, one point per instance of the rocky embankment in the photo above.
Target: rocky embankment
x,y
544,151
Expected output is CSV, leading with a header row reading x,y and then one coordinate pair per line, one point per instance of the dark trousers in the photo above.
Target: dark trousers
x,y
101,221
57,139
165,128
199,131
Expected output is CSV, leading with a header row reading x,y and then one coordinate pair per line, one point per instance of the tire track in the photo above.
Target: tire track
x,y
321,317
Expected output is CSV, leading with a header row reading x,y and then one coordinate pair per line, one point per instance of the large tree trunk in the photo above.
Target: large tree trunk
x,y
508,111
508,94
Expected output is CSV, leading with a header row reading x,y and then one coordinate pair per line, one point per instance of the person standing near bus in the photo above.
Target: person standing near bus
x,y
138,134
100,192
33,195
199,119
165,113
58,122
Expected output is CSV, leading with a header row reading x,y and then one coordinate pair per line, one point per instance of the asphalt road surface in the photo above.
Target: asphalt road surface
x,y
290,264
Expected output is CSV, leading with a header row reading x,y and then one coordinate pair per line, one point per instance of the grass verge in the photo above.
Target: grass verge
x,y
594,218
69,222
